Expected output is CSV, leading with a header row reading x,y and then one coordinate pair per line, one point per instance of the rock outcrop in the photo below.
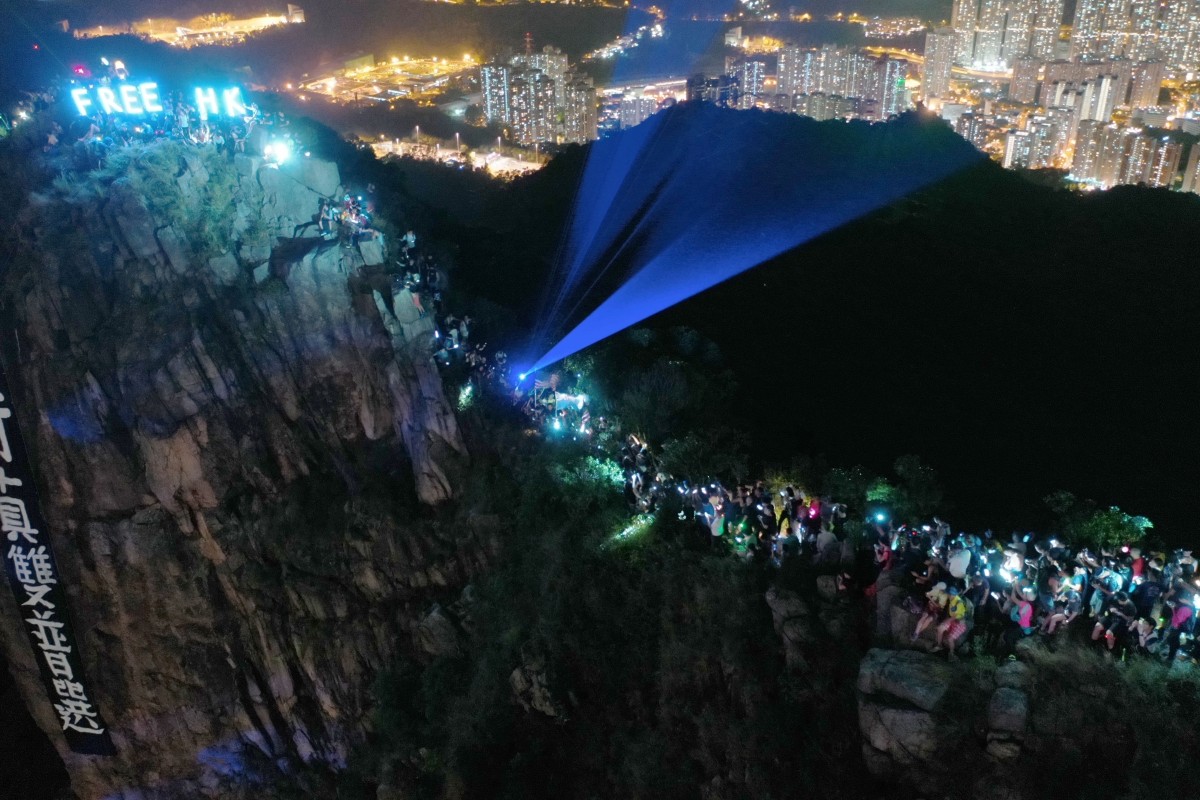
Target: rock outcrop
x,y
233,433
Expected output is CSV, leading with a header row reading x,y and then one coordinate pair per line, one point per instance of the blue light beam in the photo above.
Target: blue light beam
x,y
717,192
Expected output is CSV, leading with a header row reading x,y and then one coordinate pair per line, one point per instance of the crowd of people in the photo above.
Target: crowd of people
x,y
981,593
84,142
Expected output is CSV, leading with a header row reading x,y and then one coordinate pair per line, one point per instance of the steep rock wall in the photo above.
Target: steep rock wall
x,y
232,432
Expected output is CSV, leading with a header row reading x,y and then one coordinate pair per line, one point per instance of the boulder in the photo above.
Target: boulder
x,y
902,624
437,635
795,624
912,677
784,604
1008,710
530,688
173,245
1026,646
225,269
372,251
886,598
908,736
1003,747
1014,675
313,173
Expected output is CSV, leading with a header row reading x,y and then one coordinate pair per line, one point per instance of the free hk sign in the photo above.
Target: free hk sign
x,y
139,99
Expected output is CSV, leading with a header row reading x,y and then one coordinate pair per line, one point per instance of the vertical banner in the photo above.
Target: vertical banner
x,y
36,583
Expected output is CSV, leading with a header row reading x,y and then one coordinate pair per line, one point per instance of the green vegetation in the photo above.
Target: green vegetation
x,y
1121,729
202,209
662,671
1085,525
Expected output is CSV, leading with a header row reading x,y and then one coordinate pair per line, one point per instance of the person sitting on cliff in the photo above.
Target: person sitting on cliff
x,y
1068,603
952,628
1119,613
828,547
1105,584
1145,639
935,610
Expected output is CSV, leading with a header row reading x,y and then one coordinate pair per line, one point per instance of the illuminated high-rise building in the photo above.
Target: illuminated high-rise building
x,y
1089,143
1026,76
579,111
893,88
1045,141
1114,33
974,128
533,109
939,62
1085,30
963,20
751,74
1136,160
989,33
821,106
1100,96
1106,28
861,79
1191,174
1018,29
1179,34
636,109
1165,164
1145,28
552,63
791,78
1115,147
495,81
1018,146
1047,22
1146,83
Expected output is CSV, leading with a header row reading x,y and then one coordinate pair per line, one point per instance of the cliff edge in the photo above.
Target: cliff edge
x,y
234,427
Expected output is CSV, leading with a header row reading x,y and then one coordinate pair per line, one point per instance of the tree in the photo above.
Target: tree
x,y
920,494
1083,524
709,454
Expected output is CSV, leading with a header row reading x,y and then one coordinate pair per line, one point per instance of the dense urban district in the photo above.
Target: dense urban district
x,y
1103,94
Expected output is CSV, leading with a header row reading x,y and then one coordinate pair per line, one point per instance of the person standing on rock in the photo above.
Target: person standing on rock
x,y
1021,615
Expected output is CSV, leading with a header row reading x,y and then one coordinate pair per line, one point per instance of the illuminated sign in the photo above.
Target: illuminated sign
x,y
143,98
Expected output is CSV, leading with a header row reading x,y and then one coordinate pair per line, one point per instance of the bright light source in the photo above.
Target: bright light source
x,y
278,152
653,205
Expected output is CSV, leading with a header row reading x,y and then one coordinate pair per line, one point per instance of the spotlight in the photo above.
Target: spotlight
x,y
278,152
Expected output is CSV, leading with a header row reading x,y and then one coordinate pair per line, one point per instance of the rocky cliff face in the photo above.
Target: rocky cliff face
x,y
232,430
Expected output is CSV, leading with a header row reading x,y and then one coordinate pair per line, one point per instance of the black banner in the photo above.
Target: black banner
x,y
36,583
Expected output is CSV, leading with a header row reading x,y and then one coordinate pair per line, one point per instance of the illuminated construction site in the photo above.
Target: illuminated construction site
x,y
363,80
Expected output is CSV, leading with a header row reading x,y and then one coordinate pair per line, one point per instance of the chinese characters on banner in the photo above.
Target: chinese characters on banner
x,y
35,582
